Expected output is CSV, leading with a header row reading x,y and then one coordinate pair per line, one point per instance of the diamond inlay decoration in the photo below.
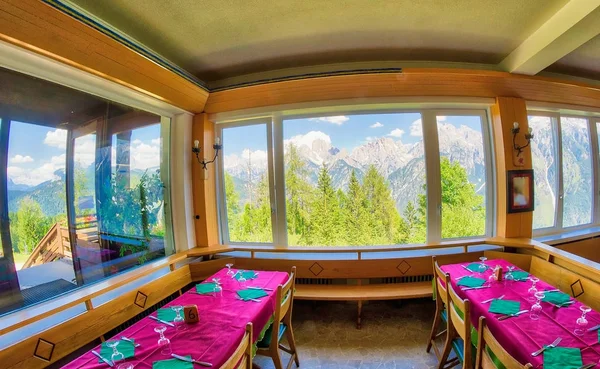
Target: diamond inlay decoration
x,y
316,269
140,299
43,350
403,267
577,288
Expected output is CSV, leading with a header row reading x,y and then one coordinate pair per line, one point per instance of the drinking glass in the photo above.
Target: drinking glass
x,y
508,277
532,291
482,266
229,271
218,290
125,366
179,321
582,321
163,342
493,278
242,280
537,307
116,355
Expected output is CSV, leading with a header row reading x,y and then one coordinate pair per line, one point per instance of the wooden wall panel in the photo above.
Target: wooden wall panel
x,y
589,249
411,82
40,28
520,260
87,327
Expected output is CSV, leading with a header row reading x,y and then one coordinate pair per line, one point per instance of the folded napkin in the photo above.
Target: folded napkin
x,y
520,276
125,347
167,314
562,358
248,274
556,298
506,307
205,288
251,294
471,282
173,364
474,267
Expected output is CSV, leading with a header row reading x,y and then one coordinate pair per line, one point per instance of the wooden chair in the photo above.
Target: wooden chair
x,y
459,331
441,280
282,324
242,356
487,342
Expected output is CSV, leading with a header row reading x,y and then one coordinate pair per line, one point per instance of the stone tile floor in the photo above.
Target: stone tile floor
x,y
393,335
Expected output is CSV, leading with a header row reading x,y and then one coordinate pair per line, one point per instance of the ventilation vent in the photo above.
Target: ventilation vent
x,y
408,279
314,281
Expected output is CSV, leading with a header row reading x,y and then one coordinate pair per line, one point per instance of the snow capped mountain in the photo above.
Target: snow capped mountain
x,y
383,153
315,146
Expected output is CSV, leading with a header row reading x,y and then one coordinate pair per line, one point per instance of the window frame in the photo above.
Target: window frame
x,y
276,166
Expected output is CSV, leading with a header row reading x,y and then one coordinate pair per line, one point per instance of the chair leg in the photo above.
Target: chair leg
x,y
434,329
358,319
292,342
276,357
446,352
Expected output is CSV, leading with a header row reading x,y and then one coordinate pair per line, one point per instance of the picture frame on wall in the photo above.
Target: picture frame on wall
x,y
519,189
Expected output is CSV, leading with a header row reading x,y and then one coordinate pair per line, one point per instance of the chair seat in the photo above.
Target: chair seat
x,y
266,341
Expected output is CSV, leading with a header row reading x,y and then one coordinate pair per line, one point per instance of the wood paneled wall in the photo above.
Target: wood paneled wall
x,y
589,248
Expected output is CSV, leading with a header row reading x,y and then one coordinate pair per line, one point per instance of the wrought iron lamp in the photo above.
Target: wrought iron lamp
x,y
528,136
196,150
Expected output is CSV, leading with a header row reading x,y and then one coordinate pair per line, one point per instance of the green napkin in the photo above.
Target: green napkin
x,y
173,364
556,298
205,288
562,358
248,274
251,294
520,276
506,307
167,314
474,267
125,347
471,282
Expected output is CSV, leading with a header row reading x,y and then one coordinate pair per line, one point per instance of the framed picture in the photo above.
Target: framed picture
x,y
520,190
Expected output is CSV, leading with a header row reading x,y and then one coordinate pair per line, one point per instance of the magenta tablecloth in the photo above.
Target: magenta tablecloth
x,y
521,336
222,325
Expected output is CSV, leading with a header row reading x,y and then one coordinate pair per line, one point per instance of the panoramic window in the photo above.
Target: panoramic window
x,y
463,176
353,180
85,190
545,167
246,184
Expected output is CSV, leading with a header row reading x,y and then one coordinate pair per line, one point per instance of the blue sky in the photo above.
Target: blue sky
x,y
345,131
36,152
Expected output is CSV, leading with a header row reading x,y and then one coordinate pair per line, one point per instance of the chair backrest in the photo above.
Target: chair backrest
x,y
242,356
462,324
285,296
442,280
486,342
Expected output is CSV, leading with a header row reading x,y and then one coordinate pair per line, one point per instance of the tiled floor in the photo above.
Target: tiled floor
x,y
393,335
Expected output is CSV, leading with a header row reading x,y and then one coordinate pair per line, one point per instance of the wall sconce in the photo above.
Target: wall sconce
x,y
196,150
528,136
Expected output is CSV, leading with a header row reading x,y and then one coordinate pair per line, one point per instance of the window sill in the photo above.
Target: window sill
x,y
569,236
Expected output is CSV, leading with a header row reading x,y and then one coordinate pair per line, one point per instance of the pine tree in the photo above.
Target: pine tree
x,y
381,208
357,220
324,229
298,195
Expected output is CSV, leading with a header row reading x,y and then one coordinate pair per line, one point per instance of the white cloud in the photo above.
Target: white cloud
x,y
337,120
85,151
144,156
441,118
396,133
155,141
376,125
56,138
416,128
370,138
43,173
19,159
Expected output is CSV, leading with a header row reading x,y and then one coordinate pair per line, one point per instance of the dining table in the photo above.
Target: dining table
x,y
222,319
521,335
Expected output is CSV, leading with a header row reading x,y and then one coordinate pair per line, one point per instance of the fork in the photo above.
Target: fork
x,y
556,342
587,366
492,299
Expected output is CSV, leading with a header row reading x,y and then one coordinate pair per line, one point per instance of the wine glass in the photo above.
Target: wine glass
x,y
537,307
582,322
242,280
482,266
218,290
532,291
509,277
179,321
493,277
125,366
116,355
163,342
229,271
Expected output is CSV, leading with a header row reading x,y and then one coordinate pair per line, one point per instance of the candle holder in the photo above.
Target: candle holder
x,y
196,150
519,149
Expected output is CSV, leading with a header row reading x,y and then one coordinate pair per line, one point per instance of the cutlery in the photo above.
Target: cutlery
x,y
568,303
130,340
554,290
504,317
189,360
459,278
492,299
110,363
594,328
260,288
251,299
587,366
475,288
160,320
553,344
464,266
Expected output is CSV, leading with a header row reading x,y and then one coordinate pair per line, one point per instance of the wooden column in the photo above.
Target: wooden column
x,y
505,112
204,184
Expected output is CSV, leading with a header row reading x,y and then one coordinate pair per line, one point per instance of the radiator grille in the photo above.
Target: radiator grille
x,y
408,279
314,281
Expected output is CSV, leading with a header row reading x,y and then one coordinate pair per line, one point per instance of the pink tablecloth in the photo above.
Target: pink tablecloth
x,y
213,339
521,336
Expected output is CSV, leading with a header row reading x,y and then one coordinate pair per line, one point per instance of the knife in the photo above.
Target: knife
x,y
103,359
464,266
492,299
475,288
190,360
160,320
260,288
594,328
130,340
587,366
504,317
